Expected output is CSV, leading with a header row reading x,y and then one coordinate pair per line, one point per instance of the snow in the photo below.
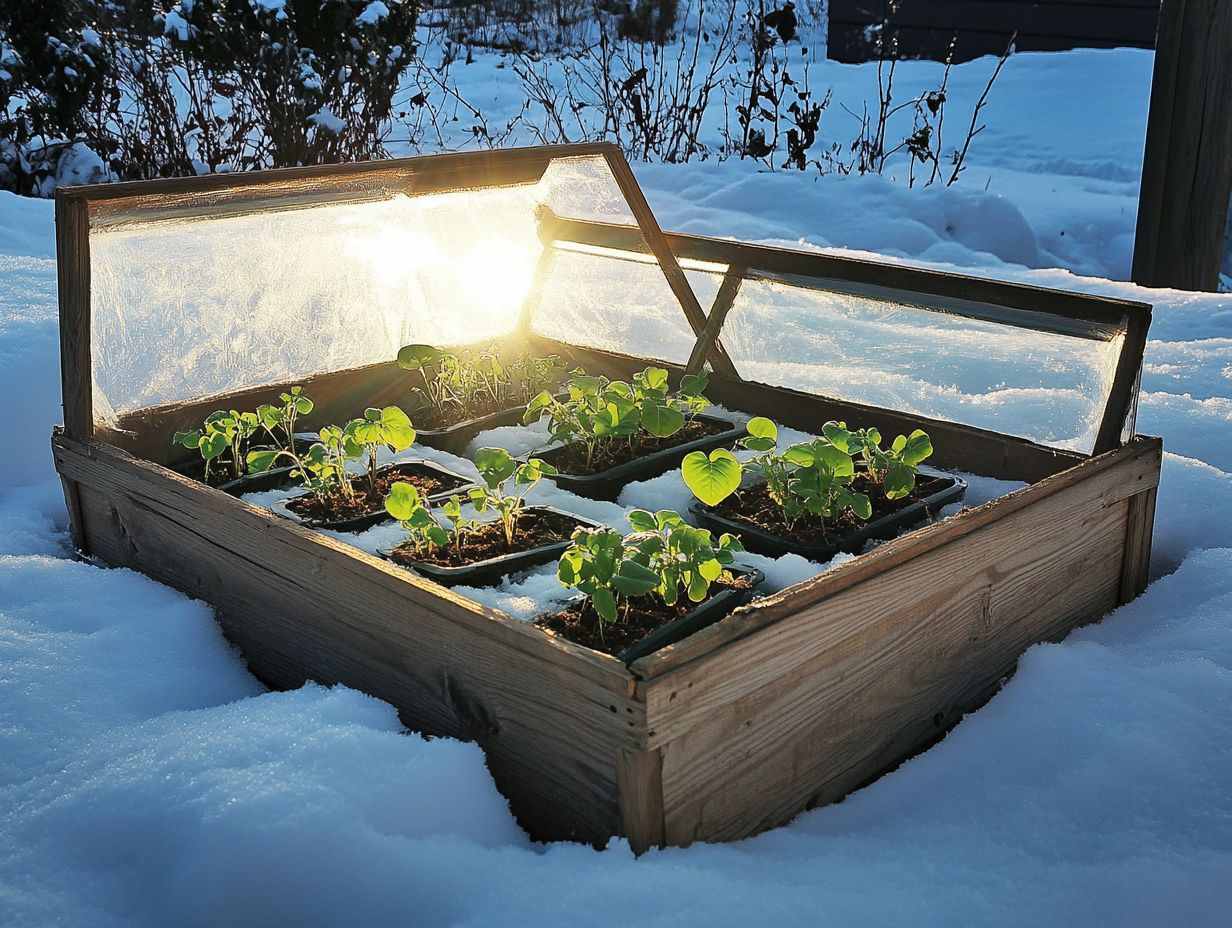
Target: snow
x,y
373,13
146,779
327,120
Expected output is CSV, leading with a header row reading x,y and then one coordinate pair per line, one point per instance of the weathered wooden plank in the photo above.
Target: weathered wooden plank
x,y
1139,527
704,348
1114,476
73,280
551,716
639,782
832,696
652,236
226,194
1186,171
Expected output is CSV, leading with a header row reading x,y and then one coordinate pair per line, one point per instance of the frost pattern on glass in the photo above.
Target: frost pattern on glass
x,y
1044,387
595,298
196,308
584,188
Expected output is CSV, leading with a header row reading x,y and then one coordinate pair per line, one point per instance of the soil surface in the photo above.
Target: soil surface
x,y
571,459
337,507
536,528
581,624
754,506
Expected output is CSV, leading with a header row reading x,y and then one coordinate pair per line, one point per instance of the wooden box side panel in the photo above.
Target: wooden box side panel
x,y
300,606
811,707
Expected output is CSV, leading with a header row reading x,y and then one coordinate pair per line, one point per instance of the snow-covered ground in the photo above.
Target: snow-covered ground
x,y
147,780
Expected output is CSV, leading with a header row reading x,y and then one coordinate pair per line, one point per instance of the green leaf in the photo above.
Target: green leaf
x,y
917,448
641,521
856,502
712,479
653,378
694,384
836,434
761,427
495,465
605,603
666,518
899,480
189,439
214,445
417,357
402,501
710,569
699,586
633,579
261,460
399,433
661,421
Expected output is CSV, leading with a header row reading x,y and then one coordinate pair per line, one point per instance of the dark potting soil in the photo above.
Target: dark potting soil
x,y
536,528
571,459
338,507
580,623
755,506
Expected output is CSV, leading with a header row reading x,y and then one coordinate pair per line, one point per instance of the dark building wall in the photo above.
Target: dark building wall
x,y
983,27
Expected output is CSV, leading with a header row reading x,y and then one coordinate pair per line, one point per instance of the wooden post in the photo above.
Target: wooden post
x,y
1186,168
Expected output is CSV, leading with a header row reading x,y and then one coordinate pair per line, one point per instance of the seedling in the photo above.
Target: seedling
x,y
405,503
598,410
663,555
323,466
812,477
389,428
684,558
222,431
458,383
897,467
821,481
279,424
600,565
496,468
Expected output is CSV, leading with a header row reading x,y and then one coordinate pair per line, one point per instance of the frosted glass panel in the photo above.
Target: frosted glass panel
x,y
185,309
584,188
614,301
1046,387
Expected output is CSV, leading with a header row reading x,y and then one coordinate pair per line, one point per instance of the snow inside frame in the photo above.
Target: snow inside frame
x,y
788,703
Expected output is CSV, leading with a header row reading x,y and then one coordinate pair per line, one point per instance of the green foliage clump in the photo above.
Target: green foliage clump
x,y
456,384
811,478
663,556
598,410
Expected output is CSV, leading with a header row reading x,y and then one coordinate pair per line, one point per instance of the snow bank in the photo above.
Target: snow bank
x,y
147,780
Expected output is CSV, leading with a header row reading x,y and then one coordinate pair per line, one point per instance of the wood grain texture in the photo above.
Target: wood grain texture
x,y
1139,528
226,194
639,782
1186,171
704,349
1123,473
551,716
73,281
809,708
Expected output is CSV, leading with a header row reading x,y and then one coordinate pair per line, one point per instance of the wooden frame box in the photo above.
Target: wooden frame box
x,y
790,702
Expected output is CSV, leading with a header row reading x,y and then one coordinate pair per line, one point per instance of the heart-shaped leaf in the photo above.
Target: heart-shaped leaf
x,y
712,479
